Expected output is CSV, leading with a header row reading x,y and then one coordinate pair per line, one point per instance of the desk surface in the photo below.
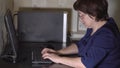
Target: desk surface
x,y
25,60
4,64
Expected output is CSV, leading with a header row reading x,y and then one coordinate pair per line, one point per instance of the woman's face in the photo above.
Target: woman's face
x,y
86,19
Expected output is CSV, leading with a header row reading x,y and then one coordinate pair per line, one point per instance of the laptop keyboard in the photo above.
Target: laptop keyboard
x,y
37,57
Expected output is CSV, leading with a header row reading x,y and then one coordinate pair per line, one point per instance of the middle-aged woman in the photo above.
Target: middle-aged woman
x,y
100,47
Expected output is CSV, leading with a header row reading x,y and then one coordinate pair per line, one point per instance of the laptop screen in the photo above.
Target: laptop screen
x,y
11,32
42,26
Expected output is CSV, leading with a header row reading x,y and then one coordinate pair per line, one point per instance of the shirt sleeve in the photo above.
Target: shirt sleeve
x,y
101,44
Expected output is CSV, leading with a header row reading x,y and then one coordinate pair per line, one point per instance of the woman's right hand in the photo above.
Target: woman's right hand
x,y
48,50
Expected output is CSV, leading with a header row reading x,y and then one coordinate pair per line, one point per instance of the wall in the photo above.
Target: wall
x,y
114,10
4,4
48,4
76,34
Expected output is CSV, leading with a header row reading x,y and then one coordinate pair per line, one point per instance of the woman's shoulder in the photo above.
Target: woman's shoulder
x,y
104,31
109,28
104,38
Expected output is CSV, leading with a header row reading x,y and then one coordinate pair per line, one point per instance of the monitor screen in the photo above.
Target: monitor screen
x,y
12,38
42,26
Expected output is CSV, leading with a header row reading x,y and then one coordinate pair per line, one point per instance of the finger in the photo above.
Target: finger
x,y
44,50
46,56
47,50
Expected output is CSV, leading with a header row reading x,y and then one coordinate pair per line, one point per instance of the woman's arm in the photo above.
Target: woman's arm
x,y
72,49
70,61
73,62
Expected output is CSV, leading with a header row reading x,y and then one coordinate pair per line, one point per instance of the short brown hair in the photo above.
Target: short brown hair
x,y
96,8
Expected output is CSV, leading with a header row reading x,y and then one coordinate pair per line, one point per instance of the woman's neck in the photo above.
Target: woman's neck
x,y
97,25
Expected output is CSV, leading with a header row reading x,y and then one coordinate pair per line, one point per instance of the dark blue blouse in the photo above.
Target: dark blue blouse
x,y
102,49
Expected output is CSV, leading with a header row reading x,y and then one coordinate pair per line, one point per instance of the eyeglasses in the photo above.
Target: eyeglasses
x,y
81,14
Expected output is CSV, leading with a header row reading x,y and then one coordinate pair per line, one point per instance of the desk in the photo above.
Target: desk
x,y
4,64
24,60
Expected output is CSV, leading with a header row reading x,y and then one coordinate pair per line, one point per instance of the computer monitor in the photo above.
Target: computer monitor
x,y
42,26
12,38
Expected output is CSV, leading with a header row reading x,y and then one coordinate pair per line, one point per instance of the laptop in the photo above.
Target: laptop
x,y
47,27
35,47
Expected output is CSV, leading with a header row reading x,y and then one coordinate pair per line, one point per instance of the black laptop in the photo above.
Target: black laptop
x,y
47,28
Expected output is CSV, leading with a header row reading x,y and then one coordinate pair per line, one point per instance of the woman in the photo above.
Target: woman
x,y
100,47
